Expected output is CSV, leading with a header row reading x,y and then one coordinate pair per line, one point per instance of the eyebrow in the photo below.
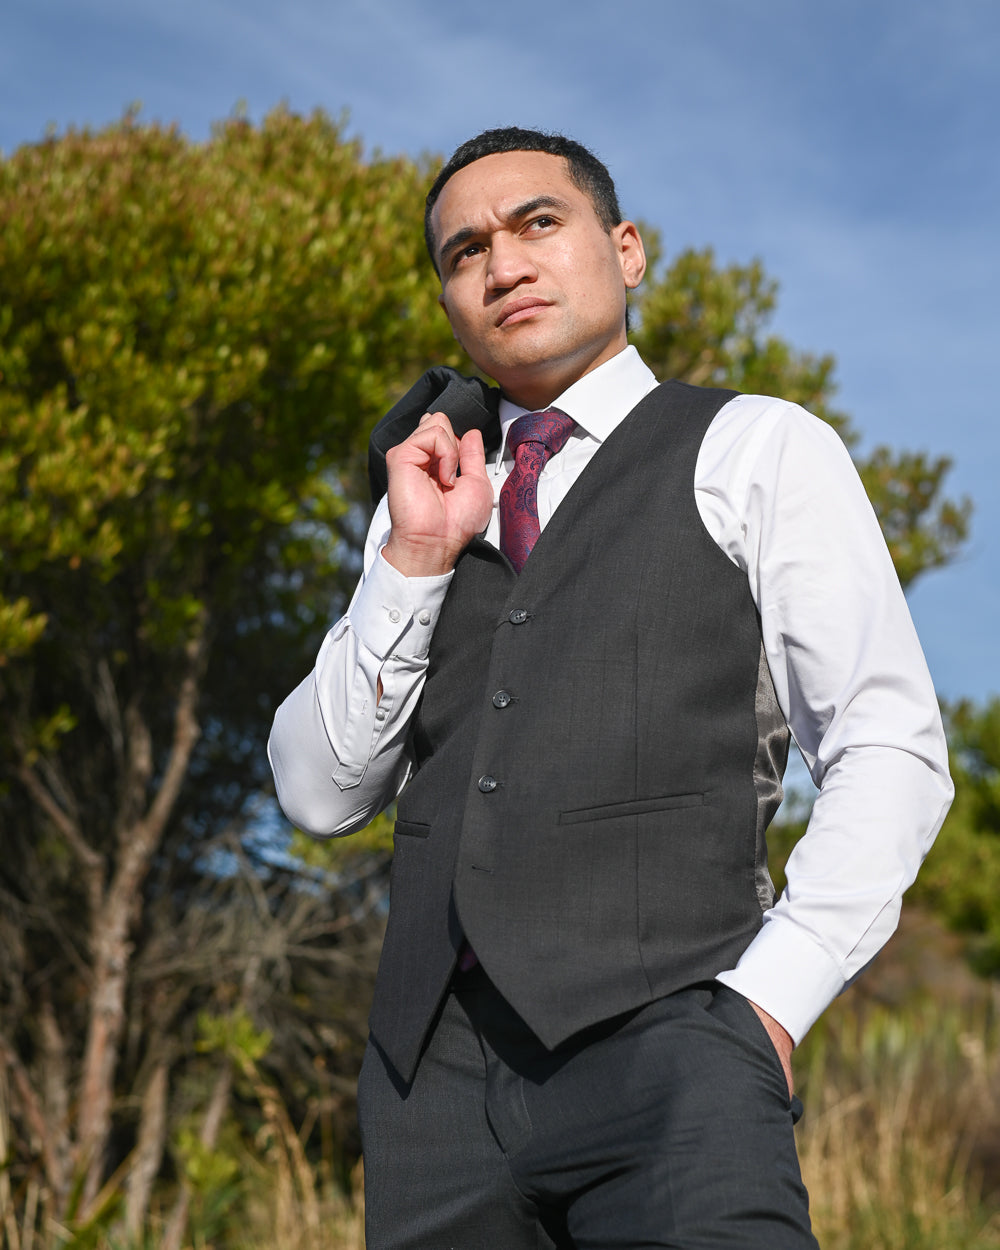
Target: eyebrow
x,y
460,237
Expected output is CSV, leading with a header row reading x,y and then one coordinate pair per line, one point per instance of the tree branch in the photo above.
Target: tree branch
x,y
34,1113
148,1151
90,860
143,837
111,926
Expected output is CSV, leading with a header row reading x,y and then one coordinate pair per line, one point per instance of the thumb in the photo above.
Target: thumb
x,y
472,454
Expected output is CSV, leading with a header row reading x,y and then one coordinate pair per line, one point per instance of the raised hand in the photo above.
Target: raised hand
x,y
440,497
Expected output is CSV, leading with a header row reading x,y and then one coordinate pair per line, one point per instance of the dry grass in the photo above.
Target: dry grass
x,y
273,1224
900,1146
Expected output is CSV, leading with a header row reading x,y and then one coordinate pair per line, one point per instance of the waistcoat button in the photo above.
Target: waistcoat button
x,y
501,698
518,616
487,783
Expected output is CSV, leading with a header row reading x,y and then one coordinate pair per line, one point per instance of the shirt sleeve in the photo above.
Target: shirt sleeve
x,y
851,679
338,752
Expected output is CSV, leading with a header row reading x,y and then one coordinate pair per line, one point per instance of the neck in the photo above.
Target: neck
x,y
551,380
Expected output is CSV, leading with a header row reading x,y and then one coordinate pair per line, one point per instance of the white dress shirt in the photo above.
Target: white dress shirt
x,y
777,491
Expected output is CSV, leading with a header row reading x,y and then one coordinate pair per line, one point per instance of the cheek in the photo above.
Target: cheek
x,y
458,316
590,278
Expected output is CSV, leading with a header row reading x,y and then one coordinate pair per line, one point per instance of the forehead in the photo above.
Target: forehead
x,y
490,188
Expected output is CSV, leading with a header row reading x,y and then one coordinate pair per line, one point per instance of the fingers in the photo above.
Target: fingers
x,y
434,513
436,418
432,447
445,446
435,437
472,454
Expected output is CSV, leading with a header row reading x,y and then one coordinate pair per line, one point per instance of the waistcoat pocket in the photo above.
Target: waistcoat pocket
x,y
411,828
632,807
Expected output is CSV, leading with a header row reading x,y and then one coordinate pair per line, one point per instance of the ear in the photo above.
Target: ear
x,y
631,253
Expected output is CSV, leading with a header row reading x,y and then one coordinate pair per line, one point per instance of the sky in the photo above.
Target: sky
x,y
852,145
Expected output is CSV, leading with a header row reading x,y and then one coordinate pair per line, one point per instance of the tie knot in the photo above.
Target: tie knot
x,y
551,428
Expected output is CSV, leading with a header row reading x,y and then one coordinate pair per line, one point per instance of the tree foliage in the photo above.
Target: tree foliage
x,y
707,324
195,339
961,878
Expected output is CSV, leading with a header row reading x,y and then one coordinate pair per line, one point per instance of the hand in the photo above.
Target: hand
x,y
435,511
782,1041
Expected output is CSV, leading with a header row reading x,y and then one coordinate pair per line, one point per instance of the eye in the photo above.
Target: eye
x,y
468,252
541,223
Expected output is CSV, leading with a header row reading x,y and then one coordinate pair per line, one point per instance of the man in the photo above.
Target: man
x,y
587,1001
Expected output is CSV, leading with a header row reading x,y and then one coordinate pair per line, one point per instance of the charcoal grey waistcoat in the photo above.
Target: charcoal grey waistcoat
x,y
598,753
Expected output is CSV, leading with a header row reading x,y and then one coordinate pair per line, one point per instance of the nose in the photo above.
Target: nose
x,y
510,263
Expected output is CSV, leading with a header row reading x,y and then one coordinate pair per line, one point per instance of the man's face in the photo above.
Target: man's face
x,y
533,285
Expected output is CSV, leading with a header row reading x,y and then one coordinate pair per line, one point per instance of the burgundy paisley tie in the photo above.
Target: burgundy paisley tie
x,y
534,438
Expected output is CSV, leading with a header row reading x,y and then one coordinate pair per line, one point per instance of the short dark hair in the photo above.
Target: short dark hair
x,y
585,170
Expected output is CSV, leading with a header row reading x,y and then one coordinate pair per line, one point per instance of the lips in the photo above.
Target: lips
x,y
520,309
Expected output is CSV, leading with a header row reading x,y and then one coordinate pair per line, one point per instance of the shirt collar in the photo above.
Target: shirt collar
x,y
597,402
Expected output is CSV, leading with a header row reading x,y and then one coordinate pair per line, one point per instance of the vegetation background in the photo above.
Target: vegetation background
x,y
195,339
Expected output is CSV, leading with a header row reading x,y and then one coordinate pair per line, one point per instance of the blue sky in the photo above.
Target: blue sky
x,y
853,146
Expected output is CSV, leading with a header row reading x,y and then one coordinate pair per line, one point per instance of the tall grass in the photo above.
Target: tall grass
x,y
271,1223
900,1149
900,1144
